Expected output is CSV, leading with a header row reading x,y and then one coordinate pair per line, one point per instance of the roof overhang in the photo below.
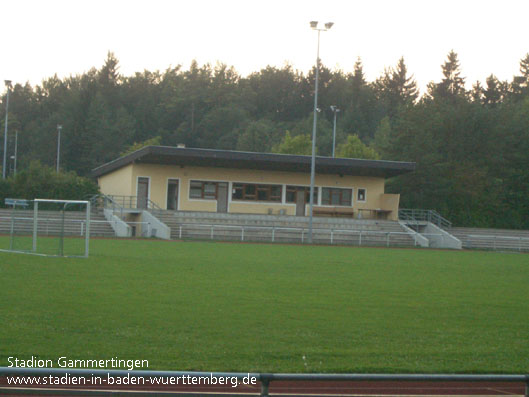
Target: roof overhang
x,y
168,155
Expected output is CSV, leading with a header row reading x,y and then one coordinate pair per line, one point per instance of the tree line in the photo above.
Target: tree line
x,y
471,146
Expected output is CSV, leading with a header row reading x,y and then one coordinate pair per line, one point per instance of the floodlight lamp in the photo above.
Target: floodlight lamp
x,y
7,83
328,25
59,127
313,24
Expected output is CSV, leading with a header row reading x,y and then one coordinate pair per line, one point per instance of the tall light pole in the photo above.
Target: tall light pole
x,y
334,110
4,164
314,26
59,128
16,153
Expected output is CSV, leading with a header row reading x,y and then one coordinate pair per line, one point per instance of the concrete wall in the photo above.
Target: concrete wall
x,y
439,238
158,228
124,182
120,228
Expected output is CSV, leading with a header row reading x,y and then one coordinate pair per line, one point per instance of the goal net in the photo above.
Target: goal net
x,y
46,227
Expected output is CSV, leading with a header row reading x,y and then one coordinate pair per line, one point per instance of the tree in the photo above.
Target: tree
x,y
477,94
452,85
281,95
354,148
362,113
492,94
520,84
323,132
383,141
138,145
40,181
396,89
257,136
300,144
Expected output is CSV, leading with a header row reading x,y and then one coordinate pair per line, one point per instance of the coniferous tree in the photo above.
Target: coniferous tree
x,y
452,85
395,88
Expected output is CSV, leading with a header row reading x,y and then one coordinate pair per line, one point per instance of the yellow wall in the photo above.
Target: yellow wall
x,y
124,182
118,183
391,201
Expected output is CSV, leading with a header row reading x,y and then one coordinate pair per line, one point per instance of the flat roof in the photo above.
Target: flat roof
x,y
170,155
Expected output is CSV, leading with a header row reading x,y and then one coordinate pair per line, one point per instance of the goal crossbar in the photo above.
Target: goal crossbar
x,y
61,201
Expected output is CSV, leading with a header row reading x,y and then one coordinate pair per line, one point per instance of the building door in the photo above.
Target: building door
x,y
222,197
300,202
172,194
142,192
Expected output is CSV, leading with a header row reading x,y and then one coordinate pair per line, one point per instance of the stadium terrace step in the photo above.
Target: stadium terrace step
x,y
50,223
492,239
283,228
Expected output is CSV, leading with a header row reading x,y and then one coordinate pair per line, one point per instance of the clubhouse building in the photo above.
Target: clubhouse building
x,y
186,179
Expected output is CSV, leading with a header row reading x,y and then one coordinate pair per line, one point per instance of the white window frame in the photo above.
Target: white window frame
x,y
337,205
365,195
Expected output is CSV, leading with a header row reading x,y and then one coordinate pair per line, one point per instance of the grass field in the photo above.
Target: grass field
x,y
276,308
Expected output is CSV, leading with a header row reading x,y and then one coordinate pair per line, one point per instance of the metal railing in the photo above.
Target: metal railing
x,y
131,202
50,224
265,379
277,234
496,242
106,202
419,215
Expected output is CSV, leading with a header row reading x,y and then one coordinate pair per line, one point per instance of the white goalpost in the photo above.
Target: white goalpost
x,y
66,203
49,228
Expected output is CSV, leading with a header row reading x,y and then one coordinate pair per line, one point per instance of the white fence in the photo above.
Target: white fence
x,y
495,242
52,226
294,235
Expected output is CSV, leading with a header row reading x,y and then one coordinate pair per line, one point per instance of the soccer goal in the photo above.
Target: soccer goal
x,y
46,227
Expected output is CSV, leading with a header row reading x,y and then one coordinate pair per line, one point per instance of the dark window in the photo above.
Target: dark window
x,y
252,192
291,193
361,195
336,196
203,190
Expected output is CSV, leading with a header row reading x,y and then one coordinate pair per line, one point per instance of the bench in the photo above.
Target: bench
x,y
16,202
376,213
334,211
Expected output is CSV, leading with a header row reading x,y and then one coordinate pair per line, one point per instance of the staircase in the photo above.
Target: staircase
x,y
492,239
283,228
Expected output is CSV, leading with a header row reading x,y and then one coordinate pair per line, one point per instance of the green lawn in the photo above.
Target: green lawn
x,y
276,308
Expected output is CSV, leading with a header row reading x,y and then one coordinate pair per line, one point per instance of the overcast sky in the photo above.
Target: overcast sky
x,y
44,37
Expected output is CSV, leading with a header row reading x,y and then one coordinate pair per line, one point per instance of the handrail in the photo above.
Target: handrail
x,y
127,202
264,378
106,200
432,216
152,205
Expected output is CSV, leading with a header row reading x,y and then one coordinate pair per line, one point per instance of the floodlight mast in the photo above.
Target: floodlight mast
x,y
59,128
314,26
4,164
334,110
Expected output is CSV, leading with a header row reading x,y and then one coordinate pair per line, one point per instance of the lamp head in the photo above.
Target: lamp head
x,y
7,83
59,127
328,25
313,24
